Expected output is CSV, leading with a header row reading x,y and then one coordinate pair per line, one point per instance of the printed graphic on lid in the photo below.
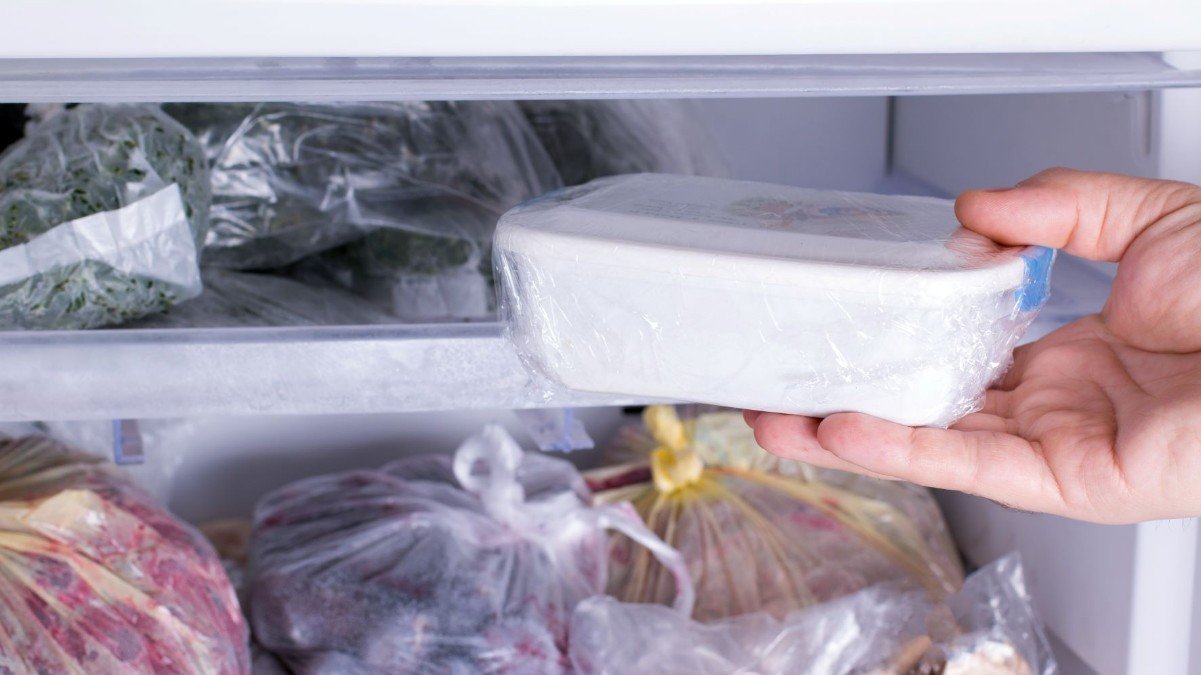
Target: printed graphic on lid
x,y
823,219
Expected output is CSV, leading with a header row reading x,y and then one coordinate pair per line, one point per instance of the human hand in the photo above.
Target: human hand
x,y
1100,420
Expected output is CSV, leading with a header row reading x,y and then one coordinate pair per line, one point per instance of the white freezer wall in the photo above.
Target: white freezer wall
x,y
1126,599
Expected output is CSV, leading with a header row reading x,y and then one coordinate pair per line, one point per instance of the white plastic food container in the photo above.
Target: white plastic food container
x,y
764,297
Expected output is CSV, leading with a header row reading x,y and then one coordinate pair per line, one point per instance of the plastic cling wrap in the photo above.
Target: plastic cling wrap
x,y
433,565
989,627
101,212
96,578
592,139
765,297
756,538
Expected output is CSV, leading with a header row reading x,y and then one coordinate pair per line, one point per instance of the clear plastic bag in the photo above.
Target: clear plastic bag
x,y
987,627
763,535
102,208
592,139
97,578
293,179
435,565
233,298
765,297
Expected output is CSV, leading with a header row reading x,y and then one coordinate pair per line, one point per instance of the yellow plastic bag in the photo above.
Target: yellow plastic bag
x,y
762,534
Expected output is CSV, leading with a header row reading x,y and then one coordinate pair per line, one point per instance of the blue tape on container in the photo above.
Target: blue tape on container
x,y
1036,285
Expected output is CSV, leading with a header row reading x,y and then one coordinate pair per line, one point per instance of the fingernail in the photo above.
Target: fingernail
x,y
1001,189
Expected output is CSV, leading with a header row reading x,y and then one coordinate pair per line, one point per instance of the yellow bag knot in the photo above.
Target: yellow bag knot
x,y
674,464
665,427
672,471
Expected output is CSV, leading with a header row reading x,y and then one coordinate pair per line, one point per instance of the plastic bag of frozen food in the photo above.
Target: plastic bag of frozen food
x,y
435,565
293,179
988,627
759,535
97,578
591,139
102,208
233,298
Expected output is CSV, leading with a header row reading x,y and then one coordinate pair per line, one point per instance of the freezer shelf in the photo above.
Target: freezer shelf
x,y
546,27
342,78
123,374
154,373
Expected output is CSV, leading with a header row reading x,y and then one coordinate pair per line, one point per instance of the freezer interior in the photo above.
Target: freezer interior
x,y
1115,598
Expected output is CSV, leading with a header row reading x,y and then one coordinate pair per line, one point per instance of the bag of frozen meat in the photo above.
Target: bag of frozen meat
x,y
434,564
102,211
761,534
96,578
989,627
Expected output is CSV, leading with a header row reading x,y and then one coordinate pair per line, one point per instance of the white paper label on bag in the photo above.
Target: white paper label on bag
x,y
149,238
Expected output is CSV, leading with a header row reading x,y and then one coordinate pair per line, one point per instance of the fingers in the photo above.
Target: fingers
x,y
750,416
1092,215
988,463
795,437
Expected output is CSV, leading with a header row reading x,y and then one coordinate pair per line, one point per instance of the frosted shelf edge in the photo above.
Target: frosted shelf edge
x,y
345,78
123,374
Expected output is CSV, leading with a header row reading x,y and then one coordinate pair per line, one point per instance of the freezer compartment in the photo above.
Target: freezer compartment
x,y
1116,599
208,367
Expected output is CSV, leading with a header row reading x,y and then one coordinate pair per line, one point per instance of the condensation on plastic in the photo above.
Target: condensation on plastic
x,y
756,538
593,139
434,564
988,627
232,298
765,297
101,212
95,577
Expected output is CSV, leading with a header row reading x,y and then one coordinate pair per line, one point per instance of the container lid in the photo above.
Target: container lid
x,y
685,221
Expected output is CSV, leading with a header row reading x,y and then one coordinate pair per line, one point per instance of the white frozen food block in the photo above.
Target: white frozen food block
x,y
764,297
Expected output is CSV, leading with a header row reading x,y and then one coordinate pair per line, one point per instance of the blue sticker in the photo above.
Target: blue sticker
x,y
1036,285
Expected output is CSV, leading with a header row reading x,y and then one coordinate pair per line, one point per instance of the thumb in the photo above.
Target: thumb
x,y
1091,215
1149,226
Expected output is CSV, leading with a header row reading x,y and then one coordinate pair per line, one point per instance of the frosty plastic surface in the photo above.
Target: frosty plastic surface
x,y
435,565
101,212
765,297
96,578
987,627
757,537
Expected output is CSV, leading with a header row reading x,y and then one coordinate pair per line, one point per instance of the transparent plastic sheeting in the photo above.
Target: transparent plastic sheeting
x,y
102,209
766,297
435,565
989,626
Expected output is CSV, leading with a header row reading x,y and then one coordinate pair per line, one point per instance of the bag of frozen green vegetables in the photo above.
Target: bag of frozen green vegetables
x,y
102,209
